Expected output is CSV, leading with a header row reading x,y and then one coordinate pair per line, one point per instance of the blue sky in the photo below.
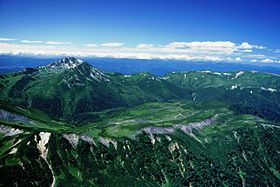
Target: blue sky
x,y
244,30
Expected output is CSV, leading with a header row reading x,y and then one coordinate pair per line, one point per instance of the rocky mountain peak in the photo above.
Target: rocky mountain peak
x,y
67,63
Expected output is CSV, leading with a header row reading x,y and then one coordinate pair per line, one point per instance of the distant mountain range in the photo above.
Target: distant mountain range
x,y
70,123
130,66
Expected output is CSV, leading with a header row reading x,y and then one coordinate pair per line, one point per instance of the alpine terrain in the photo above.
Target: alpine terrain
x,y
68,123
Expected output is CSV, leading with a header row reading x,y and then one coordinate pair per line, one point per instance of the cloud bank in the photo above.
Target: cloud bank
x,y
179,50
58,43
112,44
7,39
31,41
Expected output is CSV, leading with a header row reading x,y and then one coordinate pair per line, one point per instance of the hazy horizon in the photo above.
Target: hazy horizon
x,y
239,31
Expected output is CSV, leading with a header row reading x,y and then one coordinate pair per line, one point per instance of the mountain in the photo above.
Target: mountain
x,y
244,91
71,86
13,63
68,123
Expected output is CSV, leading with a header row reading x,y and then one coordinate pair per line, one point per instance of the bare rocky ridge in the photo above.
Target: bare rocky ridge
x,y
8,131
5,115
185,128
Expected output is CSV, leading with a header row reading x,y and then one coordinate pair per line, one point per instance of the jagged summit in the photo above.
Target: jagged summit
x,y
67,63
73,67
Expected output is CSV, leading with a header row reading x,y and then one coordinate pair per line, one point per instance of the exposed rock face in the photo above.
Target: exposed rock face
x,y
159,130
87,139
107,141
42,146
8,131
197,125
44,139
66,63
72,139
185,128
5,115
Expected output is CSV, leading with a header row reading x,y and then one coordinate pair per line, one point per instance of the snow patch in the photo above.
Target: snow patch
x,y
13,151
228,74
206,71
233,87
152,138
168,138
94,77
66,63
238,74
236,136
269,89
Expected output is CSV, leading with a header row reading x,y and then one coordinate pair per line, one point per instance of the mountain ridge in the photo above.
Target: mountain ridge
x,y
63,127
84,88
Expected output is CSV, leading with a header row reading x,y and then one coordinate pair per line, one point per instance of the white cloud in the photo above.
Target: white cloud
x,y
90,45
258,56
238,59
58,43
7,39
31,41
254,60
259,47
111,44
203,45
193,51
247,51
144,46
245,45
214,47
267,60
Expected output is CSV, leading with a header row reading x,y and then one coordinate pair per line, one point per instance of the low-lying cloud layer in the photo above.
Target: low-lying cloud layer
x,y
194,51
